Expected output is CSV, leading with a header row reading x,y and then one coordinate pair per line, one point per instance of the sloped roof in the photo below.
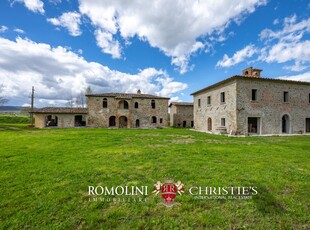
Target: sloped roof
x,y
126,95
181,104
63,110
237,77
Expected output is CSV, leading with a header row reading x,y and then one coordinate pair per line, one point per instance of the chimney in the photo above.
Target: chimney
x,y
139,91
251,72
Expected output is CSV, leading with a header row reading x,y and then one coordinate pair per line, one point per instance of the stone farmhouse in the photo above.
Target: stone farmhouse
x,y
181,114
252,105
118,110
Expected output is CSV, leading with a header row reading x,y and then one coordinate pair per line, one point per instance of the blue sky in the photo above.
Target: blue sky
x,y
164,47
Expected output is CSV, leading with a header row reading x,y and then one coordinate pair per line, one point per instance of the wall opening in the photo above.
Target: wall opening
x,y
136,105
137,123
192,124
307,125
184,123
154,120
209,124
123,122
153,104
253,125
285,124
105,103
123,105
79,121
51,121
112,121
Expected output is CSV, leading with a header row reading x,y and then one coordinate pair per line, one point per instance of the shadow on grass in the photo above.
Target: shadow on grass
x,y
266,202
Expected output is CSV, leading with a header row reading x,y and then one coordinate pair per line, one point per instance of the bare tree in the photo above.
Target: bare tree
x,y
3,100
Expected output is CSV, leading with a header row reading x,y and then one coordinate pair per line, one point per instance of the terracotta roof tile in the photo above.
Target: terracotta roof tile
x,y
59,110
126,95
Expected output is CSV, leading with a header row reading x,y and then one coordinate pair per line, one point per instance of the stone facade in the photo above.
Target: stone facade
x,y
253,106
60,117
181,114
127,110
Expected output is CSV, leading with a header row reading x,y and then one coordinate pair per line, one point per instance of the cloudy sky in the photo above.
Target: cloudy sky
x,y
163,47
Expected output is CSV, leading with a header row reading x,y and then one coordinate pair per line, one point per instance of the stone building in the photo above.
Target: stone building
x,y
181,114
252,105
61,117
126,110
121,110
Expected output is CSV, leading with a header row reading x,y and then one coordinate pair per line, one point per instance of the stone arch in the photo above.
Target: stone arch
x,y
209,122
123,104
286,123
112,121
137,123
123,121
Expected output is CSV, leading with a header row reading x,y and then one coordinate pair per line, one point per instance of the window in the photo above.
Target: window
x,y
125,105
285,96
105,103
198,103
254,94
154,120
309,98
209,100
223,122
137,123
112,121
136,105
160,120
153,104
222,97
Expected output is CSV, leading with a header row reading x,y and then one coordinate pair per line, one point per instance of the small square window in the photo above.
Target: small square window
x,y
222,97
223,122
254,94
285,96
209,100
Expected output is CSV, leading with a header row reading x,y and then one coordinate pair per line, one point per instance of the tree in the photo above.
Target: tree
x,y
3,100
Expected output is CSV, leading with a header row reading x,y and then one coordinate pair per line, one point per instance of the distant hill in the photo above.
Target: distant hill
x,y
10,108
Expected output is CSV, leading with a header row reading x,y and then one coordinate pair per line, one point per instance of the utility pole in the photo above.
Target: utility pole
x,y
32,102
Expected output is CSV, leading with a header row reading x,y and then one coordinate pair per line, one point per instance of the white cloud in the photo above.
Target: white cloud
x,y
276,21
33,5
70,20
299,77
20,31
3,29
175,27
238,57
287,44
108,44
58,74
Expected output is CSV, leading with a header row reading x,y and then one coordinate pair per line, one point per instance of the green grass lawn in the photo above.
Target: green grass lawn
x,y
45,176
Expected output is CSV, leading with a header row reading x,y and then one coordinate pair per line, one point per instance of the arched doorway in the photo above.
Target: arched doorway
x,y
137,123
209,124
285,124
112,121
123,122
123,105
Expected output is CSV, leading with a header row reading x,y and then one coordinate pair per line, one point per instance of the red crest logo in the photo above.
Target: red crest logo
x,y
169,191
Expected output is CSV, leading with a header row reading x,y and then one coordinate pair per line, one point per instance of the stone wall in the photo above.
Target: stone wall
x,y
64,120
217,110
270,106
100,117
181,115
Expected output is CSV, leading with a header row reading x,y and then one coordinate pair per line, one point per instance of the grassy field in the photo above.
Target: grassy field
x,y
45,174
